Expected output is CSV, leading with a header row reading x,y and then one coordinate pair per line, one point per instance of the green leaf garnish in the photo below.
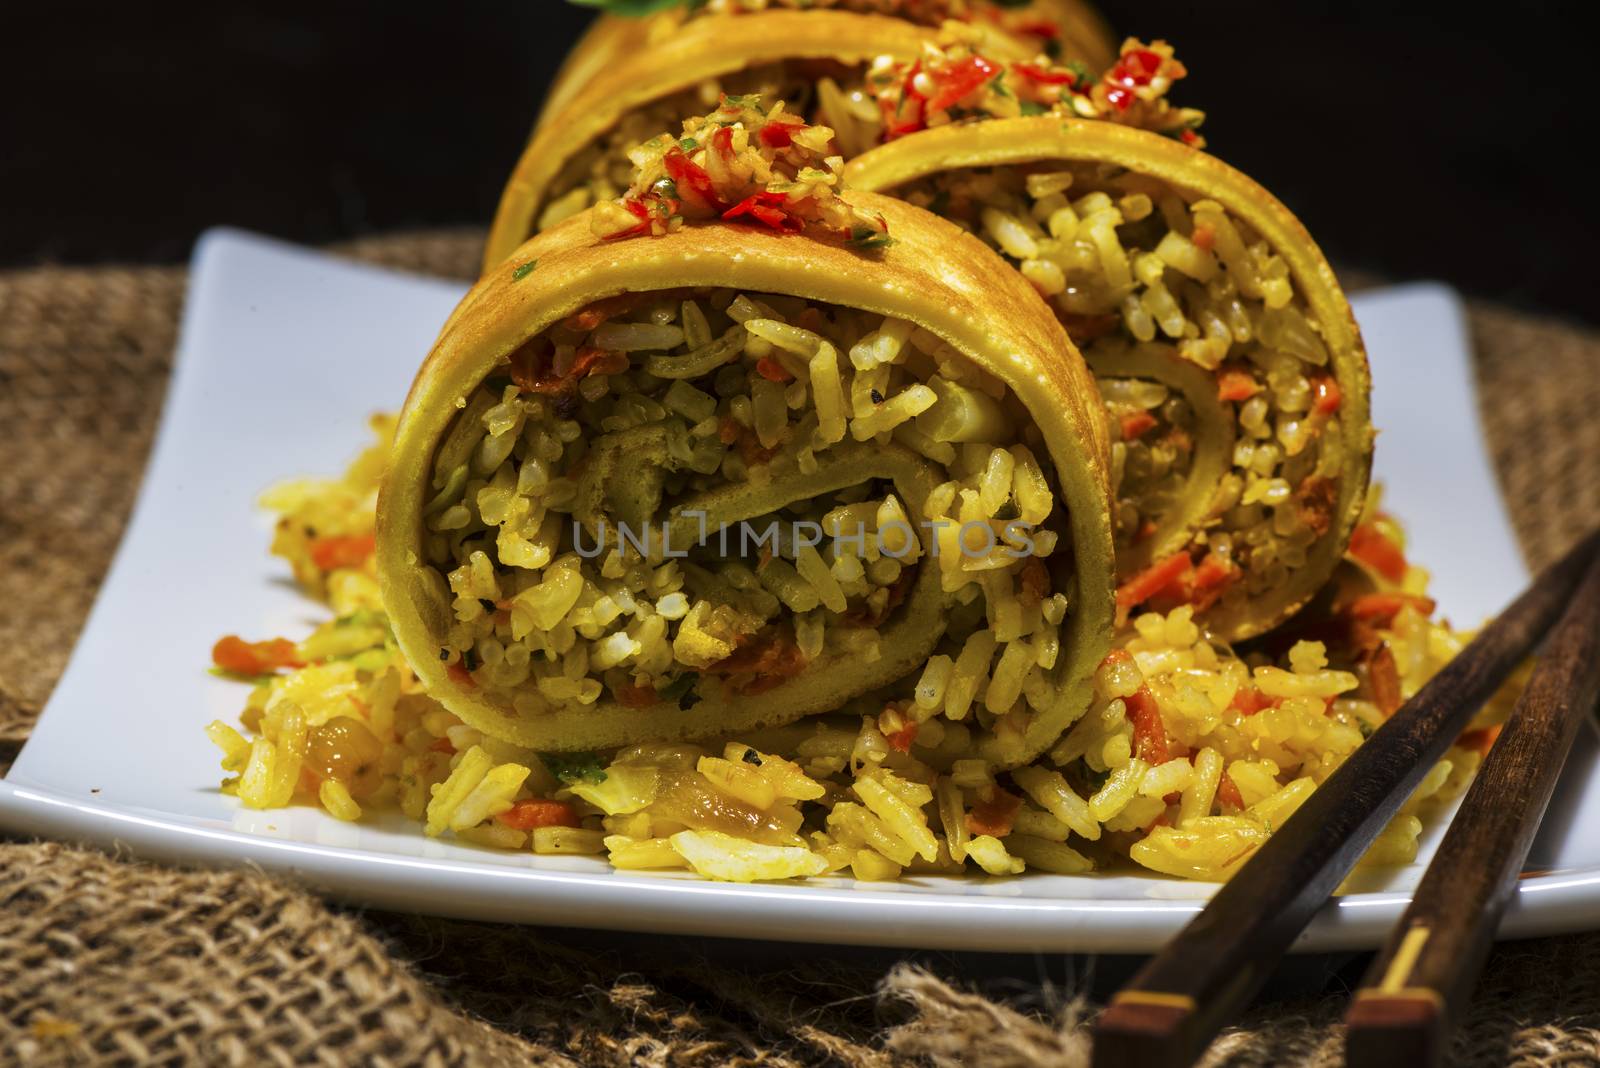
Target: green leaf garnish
x,y
574,767
867,237
524,271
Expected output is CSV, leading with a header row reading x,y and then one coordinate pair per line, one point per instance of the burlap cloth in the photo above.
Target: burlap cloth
x,y
105,958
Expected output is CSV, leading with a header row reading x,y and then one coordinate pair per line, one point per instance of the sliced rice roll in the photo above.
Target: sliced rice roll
x,y
630,78
1231,368
906,454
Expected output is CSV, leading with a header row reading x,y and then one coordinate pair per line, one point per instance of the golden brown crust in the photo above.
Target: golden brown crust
x,y
1024,140
934,275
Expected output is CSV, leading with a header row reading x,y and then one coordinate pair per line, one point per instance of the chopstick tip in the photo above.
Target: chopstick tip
x,y
1144,1029
1403,1028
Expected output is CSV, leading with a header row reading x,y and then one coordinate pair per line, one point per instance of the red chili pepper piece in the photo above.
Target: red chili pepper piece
x,y
959,79
1149,732
694,184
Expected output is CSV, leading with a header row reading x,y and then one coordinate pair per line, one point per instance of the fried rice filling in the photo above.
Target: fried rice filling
x,y
545,534
1140,273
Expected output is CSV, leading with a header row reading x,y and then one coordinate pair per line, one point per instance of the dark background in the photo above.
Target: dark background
x,y
1415,144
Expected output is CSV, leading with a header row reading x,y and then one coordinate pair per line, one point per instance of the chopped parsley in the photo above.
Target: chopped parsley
x,y
574,767
524,271
688,144
1033,107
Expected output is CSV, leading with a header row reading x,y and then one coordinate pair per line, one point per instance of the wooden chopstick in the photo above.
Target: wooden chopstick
x,y
1217,963
1405,1010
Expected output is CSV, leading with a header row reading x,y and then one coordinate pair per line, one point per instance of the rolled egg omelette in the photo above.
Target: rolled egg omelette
x,y
735,475
1232,370
632,78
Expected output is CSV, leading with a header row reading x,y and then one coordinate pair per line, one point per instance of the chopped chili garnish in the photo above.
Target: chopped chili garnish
x,y
1045,75
1236,386
234,654
1149,732
1228,795
346,550
772,370
958,79
532,814
728,430
901,740
441,745
1380,609
767,208
460,675
1370,545
1134,424
1204,237
692,181
995,814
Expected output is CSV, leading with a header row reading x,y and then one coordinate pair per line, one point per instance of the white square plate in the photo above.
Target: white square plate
x,y
285,350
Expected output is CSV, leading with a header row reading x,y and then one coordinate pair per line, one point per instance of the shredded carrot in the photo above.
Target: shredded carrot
x,y
341,550
994,815
772,370
1373,547
1149,732
1151,581
635,696
1250,700
1381,608
1228,795
537,812
901,739
233,653
1236,386
1135,424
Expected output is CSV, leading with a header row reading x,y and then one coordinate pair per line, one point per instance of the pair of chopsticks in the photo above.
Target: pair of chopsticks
x,y
1178,1002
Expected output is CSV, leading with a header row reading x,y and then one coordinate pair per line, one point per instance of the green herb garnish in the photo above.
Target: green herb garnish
x,y
573,768
867,238
1033,107
524,271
